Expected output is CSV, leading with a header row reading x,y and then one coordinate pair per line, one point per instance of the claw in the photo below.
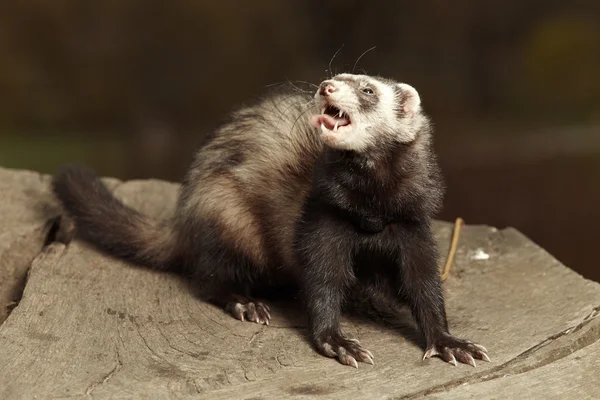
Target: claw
x,y
453,361
453,351
471,361
347,351
328,350
448,356
366,352
430,353
480,347
252,312
353,362
346,358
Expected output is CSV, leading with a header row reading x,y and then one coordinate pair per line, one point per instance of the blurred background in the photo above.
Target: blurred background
x,y
131,87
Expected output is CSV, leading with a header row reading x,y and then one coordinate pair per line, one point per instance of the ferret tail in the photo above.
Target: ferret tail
x,y
110,225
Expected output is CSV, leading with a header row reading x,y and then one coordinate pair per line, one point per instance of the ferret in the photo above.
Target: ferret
x,y
333,192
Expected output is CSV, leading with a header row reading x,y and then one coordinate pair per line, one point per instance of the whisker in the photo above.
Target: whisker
x,y
297,88
300,116
292,104
297,104
330,61
294,87
359,57
309,84
276,84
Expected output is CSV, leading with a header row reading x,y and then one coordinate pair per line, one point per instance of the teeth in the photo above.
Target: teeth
x,y
335,128
341,113
323,110
323,128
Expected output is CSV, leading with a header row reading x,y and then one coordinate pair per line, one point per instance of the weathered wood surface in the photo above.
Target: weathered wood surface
x,y
91,326
572,377
23,229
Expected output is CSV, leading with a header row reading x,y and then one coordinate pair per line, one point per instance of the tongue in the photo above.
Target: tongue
x,y
328,121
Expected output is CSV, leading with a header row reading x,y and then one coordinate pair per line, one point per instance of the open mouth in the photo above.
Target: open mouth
x,y
332,119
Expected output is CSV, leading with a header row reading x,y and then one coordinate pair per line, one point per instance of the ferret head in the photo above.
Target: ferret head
x,y
360,111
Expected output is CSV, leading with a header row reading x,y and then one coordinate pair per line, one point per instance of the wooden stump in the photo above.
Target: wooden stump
x,y
92,326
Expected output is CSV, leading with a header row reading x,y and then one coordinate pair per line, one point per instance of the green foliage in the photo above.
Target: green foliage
x,y
561,63
46,153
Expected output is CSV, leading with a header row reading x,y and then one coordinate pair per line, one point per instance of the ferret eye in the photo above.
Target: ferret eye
x,y
367,91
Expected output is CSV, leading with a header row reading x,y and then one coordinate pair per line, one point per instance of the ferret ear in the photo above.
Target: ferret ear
x,y
409,99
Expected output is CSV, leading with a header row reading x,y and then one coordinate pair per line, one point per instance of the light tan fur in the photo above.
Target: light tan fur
x,y
267,188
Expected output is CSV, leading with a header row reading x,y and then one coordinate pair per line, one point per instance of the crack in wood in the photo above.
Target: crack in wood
x,y
177,348
49,229
146,344
196,386
512,366
255,334
108,375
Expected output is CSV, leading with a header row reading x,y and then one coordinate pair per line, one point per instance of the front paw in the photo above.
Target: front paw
x,y
347,351
450,349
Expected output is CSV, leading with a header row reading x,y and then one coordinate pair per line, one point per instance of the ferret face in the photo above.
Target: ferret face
x,y
359,111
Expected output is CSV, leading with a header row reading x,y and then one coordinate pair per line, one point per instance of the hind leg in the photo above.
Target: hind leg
x,y
224,278
237,301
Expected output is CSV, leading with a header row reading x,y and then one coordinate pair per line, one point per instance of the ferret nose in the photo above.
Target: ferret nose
x,y
327,88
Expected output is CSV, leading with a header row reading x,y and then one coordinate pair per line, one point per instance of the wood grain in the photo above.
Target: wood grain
x,y
92,326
